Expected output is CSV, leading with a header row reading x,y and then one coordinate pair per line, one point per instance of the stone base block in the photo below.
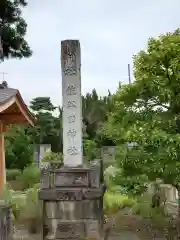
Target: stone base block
x,y
86,209
86,176
93,229
72,203
71,194
76,229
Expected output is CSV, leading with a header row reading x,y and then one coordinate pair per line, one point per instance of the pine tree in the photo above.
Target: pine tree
x,y
13,29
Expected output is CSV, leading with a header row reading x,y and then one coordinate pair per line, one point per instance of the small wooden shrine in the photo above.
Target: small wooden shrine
x,y
13,110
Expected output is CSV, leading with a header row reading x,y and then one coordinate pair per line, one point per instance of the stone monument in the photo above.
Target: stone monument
x,y
72,194
72,109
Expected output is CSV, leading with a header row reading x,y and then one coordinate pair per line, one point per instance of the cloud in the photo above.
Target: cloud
x,y
110,32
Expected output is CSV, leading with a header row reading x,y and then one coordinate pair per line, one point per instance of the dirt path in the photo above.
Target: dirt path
x,y
125,235
22,234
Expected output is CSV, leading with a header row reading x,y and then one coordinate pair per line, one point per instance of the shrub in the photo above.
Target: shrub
x,y
118,189
128,202
91,151
15,199
109,173
31,215
143,207
12,174
30,176
53,157
18,203
113,202
19,150
6,195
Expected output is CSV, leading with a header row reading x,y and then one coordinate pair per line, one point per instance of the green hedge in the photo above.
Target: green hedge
x,y
30,176
12,174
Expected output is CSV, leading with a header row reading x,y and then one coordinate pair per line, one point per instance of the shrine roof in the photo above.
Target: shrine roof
x,y
6,94
13,108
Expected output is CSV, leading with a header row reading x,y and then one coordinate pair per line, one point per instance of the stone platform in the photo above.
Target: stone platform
x,y
72,202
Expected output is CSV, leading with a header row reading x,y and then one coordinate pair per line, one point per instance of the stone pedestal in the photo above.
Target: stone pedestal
x,y
5,222
72,202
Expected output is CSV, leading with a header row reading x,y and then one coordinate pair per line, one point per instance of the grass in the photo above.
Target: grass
x,y
27,210
26,206
113,202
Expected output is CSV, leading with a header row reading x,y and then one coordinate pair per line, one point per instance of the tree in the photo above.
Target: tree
x,y
19,148
129,185
13,29
48,129
147,112
94,110
42,104
91,152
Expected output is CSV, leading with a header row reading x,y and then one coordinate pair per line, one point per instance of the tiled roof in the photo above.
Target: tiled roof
x,y
6,94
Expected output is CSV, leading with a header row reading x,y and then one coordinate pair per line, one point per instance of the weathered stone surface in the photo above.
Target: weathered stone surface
x,y
76,229
70,194
65,229
95,176
73,202
5,222
45,179
66,177
67,210
72,102
78,169
86,209
55,165
64,194
70,229
73,196
71,179
92,229
93,193
90,209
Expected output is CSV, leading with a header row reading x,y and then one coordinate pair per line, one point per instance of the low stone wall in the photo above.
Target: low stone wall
x,y
169,192
5,223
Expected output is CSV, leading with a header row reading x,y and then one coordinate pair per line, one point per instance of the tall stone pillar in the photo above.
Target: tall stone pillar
x,y
72,107
72,194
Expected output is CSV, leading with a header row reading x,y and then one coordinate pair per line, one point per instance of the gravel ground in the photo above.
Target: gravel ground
x,y
125,235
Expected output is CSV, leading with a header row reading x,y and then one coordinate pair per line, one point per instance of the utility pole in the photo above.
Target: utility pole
x,y
1,48
129,74
3,75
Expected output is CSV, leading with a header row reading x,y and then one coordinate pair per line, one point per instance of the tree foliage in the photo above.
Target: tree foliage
x,y
19,148
13,29
147,112
48,129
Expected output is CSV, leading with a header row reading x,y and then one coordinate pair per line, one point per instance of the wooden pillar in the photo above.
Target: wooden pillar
x,y
2,157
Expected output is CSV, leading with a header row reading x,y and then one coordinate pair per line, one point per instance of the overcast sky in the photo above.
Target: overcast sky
x,y
110,32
